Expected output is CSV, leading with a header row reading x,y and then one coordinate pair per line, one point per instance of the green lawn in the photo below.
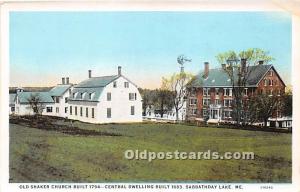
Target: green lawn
x,y
49,156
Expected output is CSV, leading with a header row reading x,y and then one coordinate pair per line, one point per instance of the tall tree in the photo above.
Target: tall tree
x,y
236,65
177,84
263,106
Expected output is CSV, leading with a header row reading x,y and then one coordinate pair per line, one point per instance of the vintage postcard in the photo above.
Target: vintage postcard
x,y
122,97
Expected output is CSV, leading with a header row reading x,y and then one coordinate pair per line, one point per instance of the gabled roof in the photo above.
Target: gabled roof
x,y
219,78
12,97
59,90
45,97
97,81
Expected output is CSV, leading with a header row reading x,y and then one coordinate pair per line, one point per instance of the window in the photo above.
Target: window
x,y
206,102
74,95
132,110
49,109
70,110
265,82
194,111
205,114
76,110
108,112
227,114
66,99
193,101
217,101
93,113
90,95
80,111
126,84
132,96
246,91
12,109
57,109
66,109
217,91
108,96
206,91
227,102
271,82
87,112
230,92
56,99
81,95
115,84
271,73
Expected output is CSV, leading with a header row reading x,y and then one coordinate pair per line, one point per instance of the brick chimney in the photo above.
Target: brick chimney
x,y
119,70
67,80
206,69
243,65
63,81
90,74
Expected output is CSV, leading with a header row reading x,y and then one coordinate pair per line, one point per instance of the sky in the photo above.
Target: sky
x,y
46,46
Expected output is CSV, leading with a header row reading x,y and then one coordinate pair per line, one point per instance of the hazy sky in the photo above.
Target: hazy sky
x,y
45,46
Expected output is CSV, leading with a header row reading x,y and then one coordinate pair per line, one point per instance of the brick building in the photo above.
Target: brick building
x,y
211,92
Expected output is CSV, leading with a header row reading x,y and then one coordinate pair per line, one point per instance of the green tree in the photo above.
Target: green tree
x,y
236,65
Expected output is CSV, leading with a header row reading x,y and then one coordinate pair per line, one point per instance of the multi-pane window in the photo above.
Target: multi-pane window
x,y
126,84
76,110
217,91
217,101
228,92
132,110
265,82
66,109
194,111
206,91
70,110
93,113
205,113
227,114
108,113
57,109
108,96
80,111
206,102
49,109
132,96
193,101
87,112
227,102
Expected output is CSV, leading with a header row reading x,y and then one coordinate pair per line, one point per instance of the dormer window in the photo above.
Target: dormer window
x,y
90,95
81,95
115,84
74,95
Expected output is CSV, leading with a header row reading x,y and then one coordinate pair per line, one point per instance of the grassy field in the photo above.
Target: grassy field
x,y
38,155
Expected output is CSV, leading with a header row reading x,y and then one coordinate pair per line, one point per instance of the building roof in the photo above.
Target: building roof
x,y
45,97
12,97
219,78
59,90
97,81
93,85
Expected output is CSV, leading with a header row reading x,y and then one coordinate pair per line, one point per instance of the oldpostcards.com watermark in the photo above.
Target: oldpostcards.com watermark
x,y
181,155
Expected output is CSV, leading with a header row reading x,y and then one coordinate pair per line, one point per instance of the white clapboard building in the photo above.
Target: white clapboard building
x,y
105,99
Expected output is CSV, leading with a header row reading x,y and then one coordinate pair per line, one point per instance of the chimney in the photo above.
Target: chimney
x,y
119,70
63,80
243,65
206,69
90,73
67,81
261,62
